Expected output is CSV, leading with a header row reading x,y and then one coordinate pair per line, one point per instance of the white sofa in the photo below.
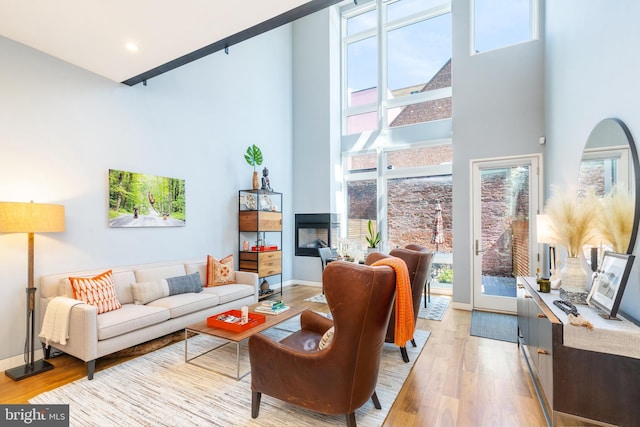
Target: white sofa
x,y
92,336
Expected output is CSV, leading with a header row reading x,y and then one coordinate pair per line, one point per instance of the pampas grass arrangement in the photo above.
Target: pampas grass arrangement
x,y
574,221
615,219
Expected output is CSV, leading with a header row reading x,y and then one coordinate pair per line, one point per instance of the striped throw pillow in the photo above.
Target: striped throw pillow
x,y
99,291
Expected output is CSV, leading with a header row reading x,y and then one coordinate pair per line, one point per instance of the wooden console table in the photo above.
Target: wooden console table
x,y
596,381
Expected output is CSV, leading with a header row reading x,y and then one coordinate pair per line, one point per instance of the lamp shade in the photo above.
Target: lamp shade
x,y
545,230
31,217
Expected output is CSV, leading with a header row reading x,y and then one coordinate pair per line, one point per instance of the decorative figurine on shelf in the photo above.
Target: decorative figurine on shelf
x,y
265,289
266,185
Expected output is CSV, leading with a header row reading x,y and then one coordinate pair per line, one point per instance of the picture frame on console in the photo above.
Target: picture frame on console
x,y
609,282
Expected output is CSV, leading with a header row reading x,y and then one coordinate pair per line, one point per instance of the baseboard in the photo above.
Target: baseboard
x,y
15,361
461,306
305,282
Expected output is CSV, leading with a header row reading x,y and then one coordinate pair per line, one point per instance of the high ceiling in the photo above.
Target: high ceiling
x,y
101,35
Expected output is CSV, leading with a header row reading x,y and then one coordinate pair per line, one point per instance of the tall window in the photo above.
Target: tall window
x,y
362,194
501,23
397,64
396,127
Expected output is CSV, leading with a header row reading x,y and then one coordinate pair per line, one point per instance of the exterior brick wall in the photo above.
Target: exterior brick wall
x,y
431,110
423,156
411,209
505,244
361,202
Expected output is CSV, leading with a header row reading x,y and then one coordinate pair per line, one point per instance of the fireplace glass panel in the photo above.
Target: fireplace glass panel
x,y
315,231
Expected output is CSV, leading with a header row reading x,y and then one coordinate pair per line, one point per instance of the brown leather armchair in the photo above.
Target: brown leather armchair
x,y
343,376
418,264
427,282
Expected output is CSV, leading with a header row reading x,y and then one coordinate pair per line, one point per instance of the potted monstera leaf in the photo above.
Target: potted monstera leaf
x,y
253,156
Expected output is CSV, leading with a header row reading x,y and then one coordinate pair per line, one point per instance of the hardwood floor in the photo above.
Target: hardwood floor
x,y
458,380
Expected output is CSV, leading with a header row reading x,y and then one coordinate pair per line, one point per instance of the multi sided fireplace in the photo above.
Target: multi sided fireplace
x,y
315,231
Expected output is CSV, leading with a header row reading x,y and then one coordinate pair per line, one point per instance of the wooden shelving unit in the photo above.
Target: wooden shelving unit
x,y
260,236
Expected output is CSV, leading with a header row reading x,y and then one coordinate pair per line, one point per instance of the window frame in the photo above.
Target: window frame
x,y
383,104
534,29
385,139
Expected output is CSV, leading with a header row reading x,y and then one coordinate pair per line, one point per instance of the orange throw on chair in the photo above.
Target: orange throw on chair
x,y
405,325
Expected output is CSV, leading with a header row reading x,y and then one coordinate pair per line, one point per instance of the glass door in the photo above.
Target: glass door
x,y
505,201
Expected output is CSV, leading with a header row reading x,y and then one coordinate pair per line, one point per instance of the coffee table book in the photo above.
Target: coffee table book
x,y
254,320
267,310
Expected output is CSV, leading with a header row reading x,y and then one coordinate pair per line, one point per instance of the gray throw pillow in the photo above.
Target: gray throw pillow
x,y
184,284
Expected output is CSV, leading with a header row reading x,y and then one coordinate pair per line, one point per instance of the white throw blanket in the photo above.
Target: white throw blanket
x,y
55,326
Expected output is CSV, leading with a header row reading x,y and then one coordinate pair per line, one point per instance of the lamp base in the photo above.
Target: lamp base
x,y
26,371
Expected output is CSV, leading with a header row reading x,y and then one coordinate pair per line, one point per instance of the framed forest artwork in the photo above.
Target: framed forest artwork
x,y
140,200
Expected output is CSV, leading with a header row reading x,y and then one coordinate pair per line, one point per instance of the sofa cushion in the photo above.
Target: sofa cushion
x,y
232,292
146,292
161,272
99,291
129,318
179,305
65,289
123,281
184,284
198,267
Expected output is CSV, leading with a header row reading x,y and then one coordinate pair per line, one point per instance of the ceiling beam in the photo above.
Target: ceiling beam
x,y
275,22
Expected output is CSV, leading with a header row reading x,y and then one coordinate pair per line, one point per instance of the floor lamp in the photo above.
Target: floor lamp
x,y
30,218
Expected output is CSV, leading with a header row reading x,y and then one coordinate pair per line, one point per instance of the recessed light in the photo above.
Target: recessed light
x,y
131,47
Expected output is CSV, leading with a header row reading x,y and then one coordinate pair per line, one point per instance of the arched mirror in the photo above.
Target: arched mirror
x,y
610,167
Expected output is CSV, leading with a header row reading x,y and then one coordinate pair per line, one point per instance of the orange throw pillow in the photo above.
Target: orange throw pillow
x,y
220,272
99,291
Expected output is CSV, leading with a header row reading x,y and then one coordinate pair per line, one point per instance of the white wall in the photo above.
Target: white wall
x,y
498,110
592,64
316,123
62,128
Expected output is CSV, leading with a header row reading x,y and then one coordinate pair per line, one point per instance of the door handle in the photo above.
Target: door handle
x,y
478,250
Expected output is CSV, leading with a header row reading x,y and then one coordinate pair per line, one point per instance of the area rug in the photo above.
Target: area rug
x,y
160,389
435,308
317,298
497,326
148,347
